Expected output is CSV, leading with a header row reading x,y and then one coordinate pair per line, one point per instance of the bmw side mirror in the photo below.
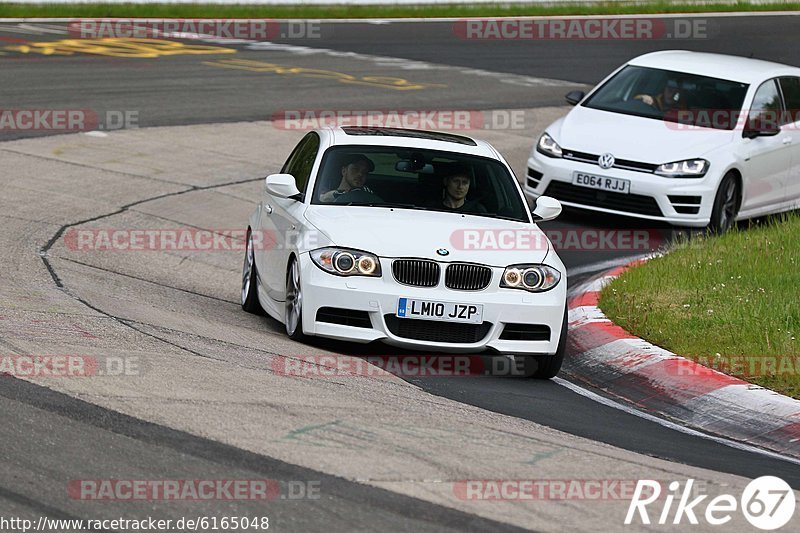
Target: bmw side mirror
x,y
574,97
547,208
282,186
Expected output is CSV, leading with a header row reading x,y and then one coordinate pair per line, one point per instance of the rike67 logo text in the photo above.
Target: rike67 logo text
x,y
767,503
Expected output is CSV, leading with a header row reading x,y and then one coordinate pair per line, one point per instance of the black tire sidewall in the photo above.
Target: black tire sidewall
x,y
251,303
714,225
298,334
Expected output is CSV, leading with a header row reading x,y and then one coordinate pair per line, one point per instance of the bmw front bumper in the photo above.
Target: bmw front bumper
x,y
378,298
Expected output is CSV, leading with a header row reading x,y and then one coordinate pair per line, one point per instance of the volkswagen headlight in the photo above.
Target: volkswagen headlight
x,y
548,146
691,168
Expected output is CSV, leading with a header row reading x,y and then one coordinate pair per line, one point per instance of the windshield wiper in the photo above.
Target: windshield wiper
x,y
384,204
434,209
501,217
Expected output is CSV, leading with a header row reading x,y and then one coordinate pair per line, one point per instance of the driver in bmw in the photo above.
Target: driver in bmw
x,y
355,171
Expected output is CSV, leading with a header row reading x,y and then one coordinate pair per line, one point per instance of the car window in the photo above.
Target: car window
x,y
671,96
766,106
790,87
411,178
301,161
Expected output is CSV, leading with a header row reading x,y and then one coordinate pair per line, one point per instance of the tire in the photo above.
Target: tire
x,y
726,205
548,366
250,301
293,315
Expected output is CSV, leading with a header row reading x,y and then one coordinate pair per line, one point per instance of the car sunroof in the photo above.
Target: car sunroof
x,y
416,134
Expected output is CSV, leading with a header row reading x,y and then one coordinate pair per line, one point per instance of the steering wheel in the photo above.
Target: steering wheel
x,y
359,196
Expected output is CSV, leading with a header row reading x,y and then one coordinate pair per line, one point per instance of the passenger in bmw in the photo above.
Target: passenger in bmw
x,y
456,187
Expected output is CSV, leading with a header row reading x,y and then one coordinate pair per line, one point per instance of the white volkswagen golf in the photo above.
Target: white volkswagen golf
x,y
418,239
688,138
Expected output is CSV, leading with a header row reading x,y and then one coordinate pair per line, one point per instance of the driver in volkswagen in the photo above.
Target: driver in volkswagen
x,y
668,99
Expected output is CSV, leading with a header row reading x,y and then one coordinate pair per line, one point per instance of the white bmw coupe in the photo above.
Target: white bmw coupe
x,y
418,239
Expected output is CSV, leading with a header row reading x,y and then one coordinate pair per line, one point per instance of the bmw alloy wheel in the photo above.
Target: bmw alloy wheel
x,y
247,269
294,302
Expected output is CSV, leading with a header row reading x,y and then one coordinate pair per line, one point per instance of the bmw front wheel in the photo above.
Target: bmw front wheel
x,y
250,301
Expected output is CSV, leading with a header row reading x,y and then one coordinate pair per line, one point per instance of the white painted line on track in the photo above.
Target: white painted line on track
x,y
44,28
17,29
412,64
670,425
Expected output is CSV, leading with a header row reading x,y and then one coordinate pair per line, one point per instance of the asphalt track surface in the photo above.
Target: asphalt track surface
x,y
80,439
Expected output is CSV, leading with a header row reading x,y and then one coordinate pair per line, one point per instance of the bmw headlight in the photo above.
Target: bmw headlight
x,y
346,262
548,146
533,278
691,168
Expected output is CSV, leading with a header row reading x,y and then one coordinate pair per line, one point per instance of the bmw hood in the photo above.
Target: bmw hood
x,y
429,234
634,138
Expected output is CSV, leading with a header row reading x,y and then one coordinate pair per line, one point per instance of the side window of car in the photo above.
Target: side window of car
x,y
790,87
302,160
766,107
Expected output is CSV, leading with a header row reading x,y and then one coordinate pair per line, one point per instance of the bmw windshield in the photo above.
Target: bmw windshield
x,y
414,178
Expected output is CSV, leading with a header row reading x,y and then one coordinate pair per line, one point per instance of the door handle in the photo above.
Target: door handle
x,y
787,140
268,209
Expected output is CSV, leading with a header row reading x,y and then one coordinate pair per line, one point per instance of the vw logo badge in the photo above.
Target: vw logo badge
x,y
606,161
443,251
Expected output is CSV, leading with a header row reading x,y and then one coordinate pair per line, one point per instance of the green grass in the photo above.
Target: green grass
x,y
167,10
730,302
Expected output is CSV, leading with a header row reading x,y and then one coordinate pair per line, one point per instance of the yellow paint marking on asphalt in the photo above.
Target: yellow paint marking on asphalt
x,y
117,47
385,82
